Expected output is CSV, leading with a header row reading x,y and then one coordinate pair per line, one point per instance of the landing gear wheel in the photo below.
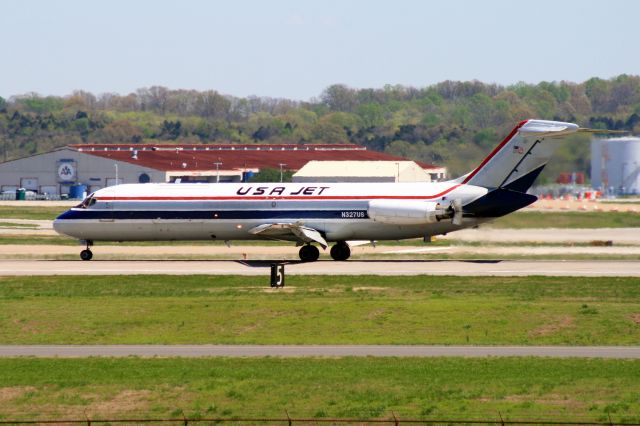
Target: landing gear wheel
x,y
86,254
309,253
340,251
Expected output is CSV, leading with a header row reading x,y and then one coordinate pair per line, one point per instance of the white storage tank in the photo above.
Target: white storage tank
x,y
615,165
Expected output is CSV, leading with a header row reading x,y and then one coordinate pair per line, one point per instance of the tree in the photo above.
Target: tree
x,y
211,104
454,123
119,131
271,175
372,114
339,98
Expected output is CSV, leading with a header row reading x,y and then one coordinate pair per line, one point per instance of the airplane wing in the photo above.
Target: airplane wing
x,y
289,231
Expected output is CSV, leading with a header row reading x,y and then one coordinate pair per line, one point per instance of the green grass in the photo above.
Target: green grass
x,y
537,219
320,310
18,225
31,212
370,388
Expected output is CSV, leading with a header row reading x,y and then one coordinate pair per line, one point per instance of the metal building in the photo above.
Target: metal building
x,y
90,167
615,165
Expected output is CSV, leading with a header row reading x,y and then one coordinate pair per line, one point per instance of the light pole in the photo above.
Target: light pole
x,y
218,164
281,166
116,166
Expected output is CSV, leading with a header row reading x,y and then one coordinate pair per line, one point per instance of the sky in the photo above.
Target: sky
x,y
296,48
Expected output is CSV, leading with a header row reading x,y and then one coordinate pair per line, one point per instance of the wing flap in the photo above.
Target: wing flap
x,y
289,231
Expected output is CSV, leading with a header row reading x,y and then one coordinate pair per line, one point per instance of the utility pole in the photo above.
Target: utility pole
x,y
116,166
281,166
218,164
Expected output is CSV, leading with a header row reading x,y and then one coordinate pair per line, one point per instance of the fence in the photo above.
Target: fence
x,y
29,196
393,420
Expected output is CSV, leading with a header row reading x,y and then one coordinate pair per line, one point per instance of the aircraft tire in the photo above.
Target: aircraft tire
x,y
340,252
86,254
309,253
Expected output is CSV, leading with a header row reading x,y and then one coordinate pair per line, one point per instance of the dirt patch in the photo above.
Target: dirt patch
x,y
635,318
369,289
123,402
284,289
560,324
549,399
375,314
8,394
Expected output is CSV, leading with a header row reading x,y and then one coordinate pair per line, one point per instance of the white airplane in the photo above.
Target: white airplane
x,y
320,213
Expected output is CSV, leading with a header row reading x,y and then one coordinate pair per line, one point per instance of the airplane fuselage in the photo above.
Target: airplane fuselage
x,y
339,211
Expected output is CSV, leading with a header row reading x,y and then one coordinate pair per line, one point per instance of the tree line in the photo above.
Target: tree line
x,y
451,123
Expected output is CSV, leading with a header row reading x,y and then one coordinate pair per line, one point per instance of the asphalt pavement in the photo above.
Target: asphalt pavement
x,y
489,267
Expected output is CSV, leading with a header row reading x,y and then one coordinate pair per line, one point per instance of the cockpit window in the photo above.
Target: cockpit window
x,y
87,202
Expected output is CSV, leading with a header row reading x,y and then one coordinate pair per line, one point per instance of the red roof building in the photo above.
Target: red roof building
x,y
234,157
229,162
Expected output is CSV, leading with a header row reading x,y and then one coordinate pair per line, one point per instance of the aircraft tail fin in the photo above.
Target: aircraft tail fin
x,y
518,160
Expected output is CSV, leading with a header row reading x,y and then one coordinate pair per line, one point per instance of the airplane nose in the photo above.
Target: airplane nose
x,y
58,226
61,224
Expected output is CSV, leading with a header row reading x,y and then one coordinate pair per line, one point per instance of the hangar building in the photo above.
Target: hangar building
x,y
94,166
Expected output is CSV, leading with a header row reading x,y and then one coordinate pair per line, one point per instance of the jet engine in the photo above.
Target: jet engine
x,y
403,212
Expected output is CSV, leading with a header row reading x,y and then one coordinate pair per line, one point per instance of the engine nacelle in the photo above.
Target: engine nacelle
x,y
403,212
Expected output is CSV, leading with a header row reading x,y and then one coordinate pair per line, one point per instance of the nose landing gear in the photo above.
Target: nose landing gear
x,y
87,254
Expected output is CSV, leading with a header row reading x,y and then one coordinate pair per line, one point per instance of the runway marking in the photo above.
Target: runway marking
x,y
80,351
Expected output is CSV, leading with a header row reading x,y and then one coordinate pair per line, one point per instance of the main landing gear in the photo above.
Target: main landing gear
x,y
340,251
87,254
309,253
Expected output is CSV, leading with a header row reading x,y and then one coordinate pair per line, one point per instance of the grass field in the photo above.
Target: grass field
x,y
590,220
18,225
516,388
31,212
320,310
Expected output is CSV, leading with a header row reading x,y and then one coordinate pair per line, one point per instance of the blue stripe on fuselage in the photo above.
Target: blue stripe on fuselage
x,y
212,214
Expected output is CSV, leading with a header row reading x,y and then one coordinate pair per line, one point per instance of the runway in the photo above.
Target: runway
x,y
584,268
148,351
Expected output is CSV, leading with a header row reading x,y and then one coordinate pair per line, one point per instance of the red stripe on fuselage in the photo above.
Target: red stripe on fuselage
x,y
267,197
495,151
